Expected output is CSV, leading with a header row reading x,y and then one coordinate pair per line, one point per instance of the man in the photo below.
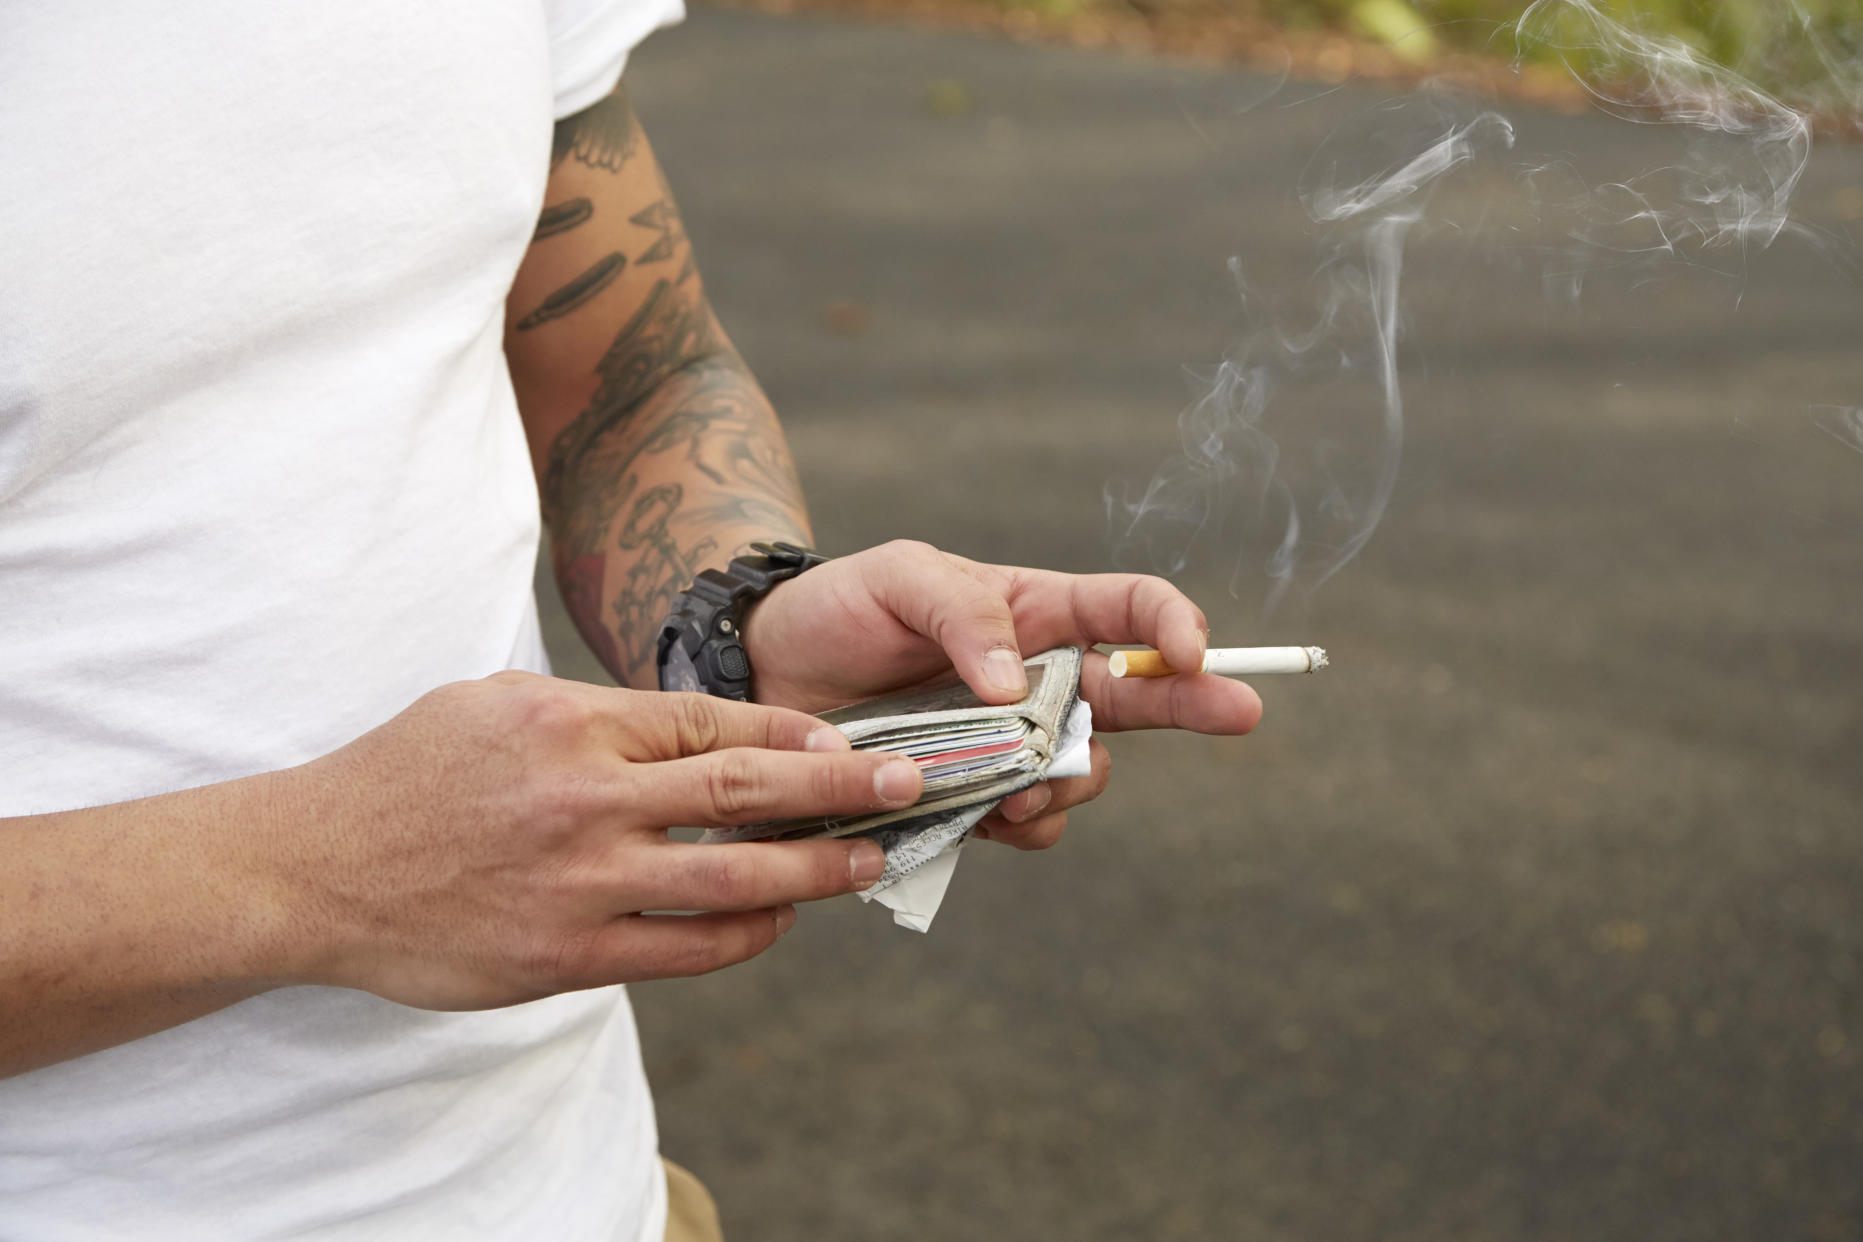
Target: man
x,y
311,916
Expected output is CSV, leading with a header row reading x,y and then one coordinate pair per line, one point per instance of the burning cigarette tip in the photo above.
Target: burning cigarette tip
x,y
1224,661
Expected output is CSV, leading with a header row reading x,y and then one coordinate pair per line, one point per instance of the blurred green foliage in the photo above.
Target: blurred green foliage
x,y
1807,50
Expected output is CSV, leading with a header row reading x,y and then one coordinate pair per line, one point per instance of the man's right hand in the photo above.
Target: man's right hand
x,y
498,841
506,839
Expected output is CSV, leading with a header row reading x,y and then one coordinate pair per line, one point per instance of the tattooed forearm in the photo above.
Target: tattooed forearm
x,y
562,217
771,519
721,479
576,292
674,458
718,426
664,337
604,136
580,578
673,403
661,568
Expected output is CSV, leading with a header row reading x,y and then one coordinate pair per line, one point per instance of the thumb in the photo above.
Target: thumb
x,y
929,593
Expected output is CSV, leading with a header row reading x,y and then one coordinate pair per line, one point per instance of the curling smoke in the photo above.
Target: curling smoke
x,y
1843,423
1231,492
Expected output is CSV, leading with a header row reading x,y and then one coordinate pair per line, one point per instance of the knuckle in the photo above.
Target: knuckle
x,y
733,787
542,706
1160,591
724,880
830,784
1197,616
708,947
561,960
556,801
1166,603
813,874
971,607
691,953
830,873
910,549
696,724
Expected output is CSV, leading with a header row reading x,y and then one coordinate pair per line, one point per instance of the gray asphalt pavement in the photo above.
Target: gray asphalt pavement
x,y
1538,917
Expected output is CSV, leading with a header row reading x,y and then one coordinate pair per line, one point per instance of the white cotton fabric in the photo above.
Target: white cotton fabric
x,y
262,484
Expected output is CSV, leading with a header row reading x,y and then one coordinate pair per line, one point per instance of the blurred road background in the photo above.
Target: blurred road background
x,y
1539,916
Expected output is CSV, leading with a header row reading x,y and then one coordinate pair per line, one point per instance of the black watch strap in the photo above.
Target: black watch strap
x,y
701,647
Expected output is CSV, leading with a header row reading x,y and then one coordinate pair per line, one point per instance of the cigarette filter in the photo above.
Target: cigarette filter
x,y
1224,661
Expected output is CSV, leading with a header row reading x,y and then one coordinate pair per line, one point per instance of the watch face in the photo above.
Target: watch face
x,y
678,672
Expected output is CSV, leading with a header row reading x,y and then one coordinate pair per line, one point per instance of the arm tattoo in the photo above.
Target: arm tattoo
x,y
662,216
661,570
576,292
664,219
562,217
662,336
602,136
776,520
676,455
670,389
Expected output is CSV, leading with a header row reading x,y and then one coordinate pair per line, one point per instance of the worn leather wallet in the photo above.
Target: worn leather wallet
x,y
970,752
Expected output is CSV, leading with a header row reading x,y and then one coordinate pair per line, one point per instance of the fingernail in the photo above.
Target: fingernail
x,y
896,781
825,738
785,919
1203,646
865,862
1004,669
1039,798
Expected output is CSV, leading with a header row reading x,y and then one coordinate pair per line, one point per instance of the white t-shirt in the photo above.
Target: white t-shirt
x,y
262,484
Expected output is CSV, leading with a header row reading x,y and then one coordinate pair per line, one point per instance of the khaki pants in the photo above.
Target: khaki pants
x,y
691,1216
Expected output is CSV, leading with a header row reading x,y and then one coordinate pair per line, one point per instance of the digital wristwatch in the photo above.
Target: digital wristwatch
x,y
701,647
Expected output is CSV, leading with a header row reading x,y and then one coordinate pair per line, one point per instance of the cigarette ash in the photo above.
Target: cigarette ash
x,y
1252,489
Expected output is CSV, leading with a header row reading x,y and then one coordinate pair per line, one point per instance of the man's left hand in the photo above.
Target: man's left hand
x,y
904,613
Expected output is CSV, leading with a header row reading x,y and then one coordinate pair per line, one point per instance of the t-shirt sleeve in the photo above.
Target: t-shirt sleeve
x,y
590,41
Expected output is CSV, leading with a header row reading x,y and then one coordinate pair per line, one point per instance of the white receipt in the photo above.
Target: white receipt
x,y
1072,756
914,900
915,897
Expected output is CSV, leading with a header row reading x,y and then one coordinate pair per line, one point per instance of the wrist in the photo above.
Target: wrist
x,y
761,620
702,645
310,917
271,930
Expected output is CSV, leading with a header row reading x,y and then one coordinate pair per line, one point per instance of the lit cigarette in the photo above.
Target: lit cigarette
x,y
1224,661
